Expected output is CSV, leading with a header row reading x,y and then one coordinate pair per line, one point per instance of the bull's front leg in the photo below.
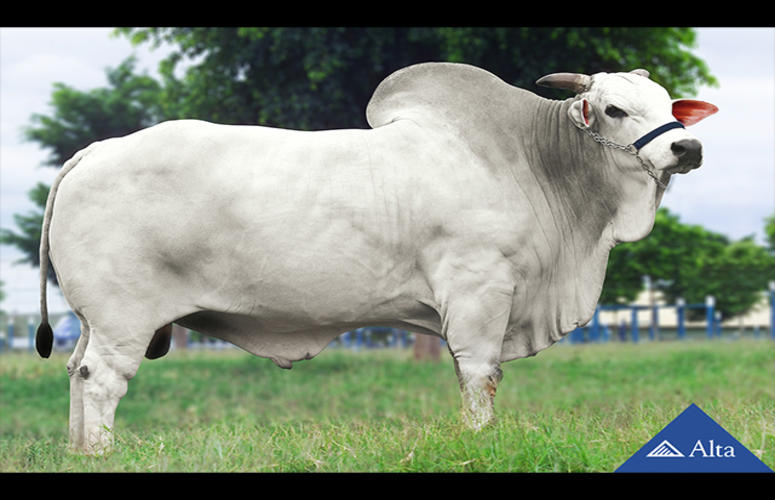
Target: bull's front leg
x,y
474,325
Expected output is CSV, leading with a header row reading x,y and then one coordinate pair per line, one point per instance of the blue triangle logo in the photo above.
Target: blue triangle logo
x,y
693,442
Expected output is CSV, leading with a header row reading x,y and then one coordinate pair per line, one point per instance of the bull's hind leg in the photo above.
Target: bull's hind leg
x,y
475,326
99,380
76,388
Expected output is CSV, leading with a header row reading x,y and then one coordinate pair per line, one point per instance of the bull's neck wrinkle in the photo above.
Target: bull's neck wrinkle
x,y
578,190
581,198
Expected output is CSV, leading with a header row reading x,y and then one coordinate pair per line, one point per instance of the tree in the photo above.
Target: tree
x,y
738,275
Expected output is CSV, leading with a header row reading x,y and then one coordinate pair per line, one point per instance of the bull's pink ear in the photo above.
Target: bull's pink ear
x,y
586,112
581,114
689,111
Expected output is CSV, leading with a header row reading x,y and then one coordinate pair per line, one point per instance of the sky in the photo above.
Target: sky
x,y
731,193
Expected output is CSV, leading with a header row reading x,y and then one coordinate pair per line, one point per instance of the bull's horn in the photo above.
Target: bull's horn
x,y
576,82
641,72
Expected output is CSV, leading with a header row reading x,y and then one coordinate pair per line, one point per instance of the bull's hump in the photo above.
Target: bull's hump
x,y
434,91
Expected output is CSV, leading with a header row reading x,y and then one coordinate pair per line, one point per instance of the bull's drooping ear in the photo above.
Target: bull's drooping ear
x,y
689,111
581,114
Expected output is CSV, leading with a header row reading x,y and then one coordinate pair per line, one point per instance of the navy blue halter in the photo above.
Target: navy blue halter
x,y
655,133
634,148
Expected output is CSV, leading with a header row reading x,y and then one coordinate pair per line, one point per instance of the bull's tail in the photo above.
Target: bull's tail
x,y
44,337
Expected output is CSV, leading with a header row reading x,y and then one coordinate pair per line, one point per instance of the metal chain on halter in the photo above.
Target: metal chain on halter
x,y
627,149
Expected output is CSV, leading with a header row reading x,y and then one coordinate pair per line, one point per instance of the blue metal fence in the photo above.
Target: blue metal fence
x,y
595,331
376,337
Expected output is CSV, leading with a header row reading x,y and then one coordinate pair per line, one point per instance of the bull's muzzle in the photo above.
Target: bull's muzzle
x,y
688,153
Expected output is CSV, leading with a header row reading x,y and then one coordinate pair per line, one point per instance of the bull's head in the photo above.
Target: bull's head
x,y
625,108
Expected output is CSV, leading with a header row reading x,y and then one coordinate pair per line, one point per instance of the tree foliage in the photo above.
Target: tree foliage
x,y
129,102
769,232
29,224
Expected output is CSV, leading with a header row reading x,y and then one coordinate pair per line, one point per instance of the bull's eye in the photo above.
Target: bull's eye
x,y
615,112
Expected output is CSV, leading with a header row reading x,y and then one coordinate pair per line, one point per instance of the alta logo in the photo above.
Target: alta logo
x,y
693,442
665,449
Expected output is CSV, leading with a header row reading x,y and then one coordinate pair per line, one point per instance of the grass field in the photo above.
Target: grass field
x,y
569,409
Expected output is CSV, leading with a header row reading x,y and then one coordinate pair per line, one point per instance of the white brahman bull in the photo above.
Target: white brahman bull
x,y
472,210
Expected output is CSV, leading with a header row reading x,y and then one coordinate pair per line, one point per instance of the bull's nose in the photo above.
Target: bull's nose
x,y
688,152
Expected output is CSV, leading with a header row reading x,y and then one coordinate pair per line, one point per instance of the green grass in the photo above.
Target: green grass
x,y
571,408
